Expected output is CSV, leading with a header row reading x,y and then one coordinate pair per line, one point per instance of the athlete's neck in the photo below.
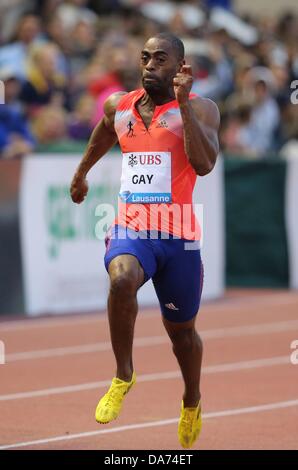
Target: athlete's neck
x,y
153,99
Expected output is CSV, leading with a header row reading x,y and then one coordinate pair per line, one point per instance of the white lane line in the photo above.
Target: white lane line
x,y
228,332
274,299
165,422
81,349
213,369
32,323
247,330
67,320
283,298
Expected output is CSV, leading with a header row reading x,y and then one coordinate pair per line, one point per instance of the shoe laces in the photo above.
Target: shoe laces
x,y
187,420
115,393
189,417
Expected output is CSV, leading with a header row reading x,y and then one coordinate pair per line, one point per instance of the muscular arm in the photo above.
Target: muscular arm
x,y
102,139
200,122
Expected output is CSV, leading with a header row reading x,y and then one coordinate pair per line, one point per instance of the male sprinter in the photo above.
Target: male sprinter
x,y
167,137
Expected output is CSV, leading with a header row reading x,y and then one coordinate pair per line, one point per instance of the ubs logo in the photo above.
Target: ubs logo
x,y
150,159
145,159
132,160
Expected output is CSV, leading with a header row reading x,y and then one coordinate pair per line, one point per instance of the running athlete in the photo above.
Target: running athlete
x,y
167,136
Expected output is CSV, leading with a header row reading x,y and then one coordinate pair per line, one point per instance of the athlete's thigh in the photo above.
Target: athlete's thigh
x,y
126,266
179,285
124,253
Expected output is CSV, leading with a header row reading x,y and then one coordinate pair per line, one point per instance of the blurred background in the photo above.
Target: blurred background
x,y
60,60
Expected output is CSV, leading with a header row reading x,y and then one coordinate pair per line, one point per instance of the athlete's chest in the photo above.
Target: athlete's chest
x,y
146,114
148,128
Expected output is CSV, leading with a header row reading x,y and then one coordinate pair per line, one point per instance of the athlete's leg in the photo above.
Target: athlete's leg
x,y
130,263
179,286
126,276
188,349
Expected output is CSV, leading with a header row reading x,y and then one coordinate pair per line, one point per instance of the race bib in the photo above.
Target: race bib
x,y
146,177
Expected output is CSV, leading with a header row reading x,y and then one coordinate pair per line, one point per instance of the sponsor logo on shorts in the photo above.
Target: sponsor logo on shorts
x,y
171,306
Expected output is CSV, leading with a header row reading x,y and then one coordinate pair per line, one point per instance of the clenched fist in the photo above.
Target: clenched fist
x,y
183,83
78,189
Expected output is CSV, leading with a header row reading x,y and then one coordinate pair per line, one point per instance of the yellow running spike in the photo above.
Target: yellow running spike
x,y
110,404
190,424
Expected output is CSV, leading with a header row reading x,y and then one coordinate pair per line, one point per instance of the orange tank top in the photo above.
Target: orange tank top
x,y
157,179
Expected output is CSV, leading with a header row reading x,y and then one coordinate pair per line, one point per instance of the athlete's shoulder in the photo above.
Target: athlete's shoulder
x,y
206,110
112,102
117,102
129,99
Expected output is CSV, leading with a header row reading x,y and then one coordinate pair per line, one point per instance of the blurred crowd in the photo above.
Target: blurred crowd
x,y
60,60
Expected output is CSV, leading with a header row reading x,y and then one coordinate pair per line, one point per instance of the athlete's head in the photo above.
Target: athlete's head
x,y
161,58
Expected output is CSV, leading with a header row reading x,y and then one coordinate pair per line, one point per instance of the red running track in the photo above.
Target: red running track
x,y
57,368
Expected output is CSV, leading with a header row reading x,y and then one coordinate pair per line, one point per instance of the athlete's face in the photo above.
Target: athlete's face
x,y
159,65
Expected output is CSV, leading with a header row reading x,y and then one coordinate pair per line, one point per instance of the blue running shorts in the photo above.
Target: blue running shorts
x,y
176,272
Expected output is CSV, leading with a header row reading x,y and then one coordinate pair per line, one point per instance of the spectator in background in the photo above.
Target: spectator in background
x,y
259,134
71,12
12,87
45,84
265,115
82,45
219,3
77,51
121,74
14,55
235,134
10,13
54,33
49,126
213,76
80,124
15,137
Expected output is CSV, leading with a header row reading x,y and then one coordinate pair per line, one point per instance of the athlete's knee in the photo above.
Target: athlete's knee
x,y
185,338
123,284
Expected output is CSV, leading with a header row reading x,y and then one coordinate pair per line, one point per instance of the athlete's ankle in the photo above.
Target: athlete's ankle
x,y
191,401
124,374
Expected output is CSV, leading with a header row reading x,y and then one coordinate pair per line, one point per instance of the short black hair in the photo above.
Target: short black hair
x,y
175,42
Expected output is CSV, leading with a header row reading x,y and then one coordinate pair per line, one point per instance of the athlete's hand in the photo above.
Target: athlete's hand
x,y
183,83
78,189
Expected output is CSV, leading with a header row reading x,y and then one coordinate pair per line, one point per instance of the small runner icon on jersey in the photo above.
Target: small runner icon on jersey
x,y
130,132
